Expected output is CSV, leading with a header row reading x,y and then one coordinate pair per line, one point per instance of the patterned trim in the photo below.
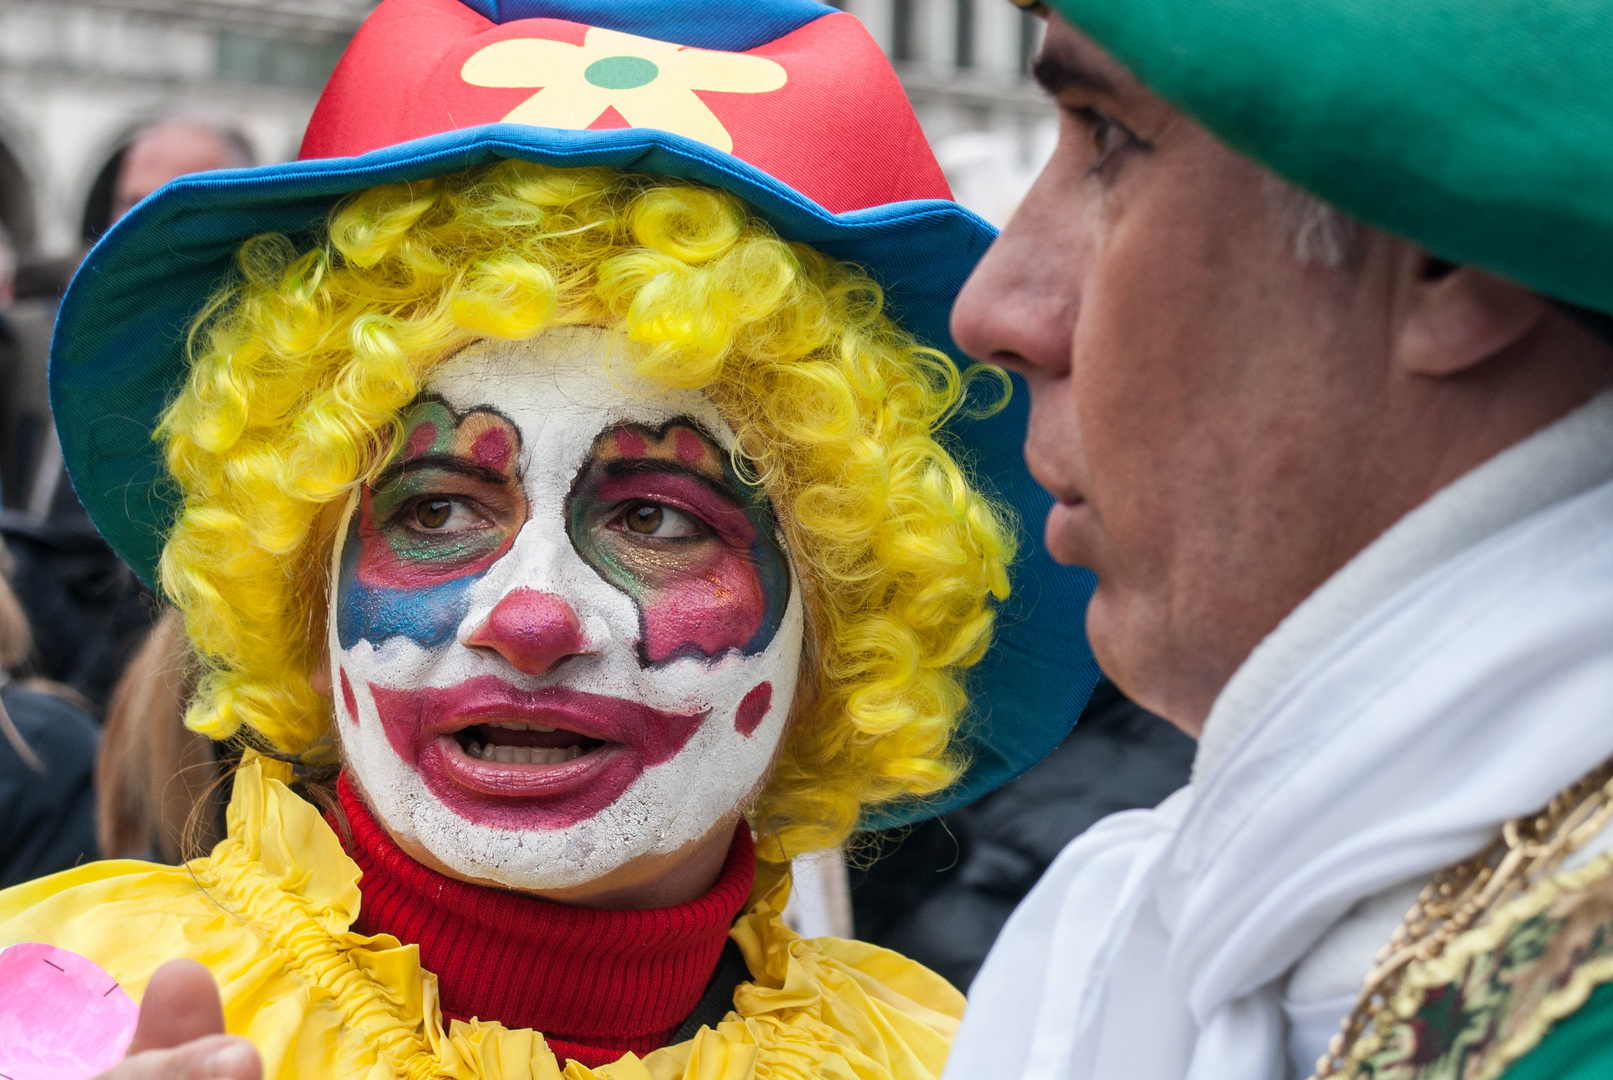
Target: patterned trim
x,y
1496,990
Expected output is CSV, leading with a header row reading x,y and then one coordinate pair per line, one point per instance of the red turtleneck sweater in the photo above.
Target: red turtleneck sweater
x,y
596,983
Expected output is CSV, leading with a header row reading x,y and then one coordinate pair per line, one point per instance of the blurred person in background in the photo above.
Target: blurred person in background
x,y
47,753
156,781
88,612
48,739
174,148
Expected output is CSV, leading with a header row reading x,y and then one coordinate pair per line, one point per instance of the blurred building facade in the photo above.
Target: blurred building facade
x,y
79,77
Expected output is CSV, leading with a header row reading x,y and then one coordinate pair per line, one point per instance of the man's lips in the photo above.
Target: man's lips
x,y
422,726
1067,532
1041,469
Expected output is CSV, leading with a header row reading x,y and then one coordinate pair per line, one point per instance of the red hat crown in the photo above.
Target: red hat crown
x,y
817,107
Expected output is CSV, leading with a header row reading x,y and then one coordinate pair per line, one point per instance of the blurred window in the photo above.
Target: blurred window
x,y
964,43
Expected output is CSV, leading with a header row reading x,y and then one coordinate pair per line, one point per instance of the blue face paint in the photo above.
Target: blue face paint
x,y
440,516
428,615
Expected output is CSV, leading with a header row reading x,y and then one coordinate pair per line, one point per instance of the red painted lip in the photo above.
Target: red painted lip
x,y
420,725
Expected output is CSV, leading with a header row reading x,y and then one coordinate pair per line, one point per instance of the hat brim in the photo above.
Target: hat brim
x,y
119,357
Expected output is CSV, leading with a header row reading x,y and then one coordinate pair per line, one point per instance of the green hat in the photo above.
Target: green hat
x,y
1482,130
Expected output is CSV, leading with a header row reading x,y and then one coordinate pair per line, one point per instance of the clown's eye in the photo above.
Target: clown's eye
x,y
438,515
660,521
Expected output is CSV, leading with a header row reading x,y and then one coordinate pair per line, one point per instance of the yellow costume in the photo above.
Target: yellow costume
x,y
269,912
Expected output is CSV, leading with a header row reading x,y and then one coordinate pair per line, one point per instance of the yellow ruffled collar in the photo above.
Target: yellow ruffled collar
x,y
814,1008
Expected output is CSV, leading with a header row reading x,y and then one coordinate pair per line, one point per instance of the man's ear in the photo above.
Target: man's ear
x,y
1456,317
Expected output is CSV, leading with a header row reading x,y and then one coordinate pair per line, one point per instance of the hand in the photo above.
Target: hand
x,y
180,1035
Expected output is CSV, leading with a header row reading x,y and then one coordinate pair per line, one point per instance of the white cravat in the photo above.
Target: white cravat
x,y
1458,672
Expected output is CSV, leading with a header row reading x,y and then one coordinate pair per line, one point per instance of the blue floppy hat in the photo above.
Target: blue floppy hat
x,y
786,104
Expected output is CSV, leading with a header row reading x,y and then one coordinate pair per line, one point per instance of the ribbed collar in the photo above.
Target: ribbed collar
x,y
595,983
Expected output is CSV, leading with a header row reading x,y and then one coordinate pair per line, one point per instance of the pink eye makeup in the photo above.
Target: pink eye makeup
x,y
435,520
660,514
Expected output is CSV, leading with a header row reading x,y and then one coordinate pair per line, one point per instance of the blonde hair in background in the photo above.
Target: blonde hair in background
x,y
156,782
300,368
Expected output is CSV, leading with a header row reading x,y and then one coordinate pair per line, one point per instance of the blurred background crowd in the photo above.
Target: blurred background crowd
x,y
103,101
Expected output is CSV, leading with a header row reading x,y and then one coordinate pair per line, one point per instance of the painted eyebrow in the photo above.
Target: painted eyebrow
x,y
643,466
1056,73
444,462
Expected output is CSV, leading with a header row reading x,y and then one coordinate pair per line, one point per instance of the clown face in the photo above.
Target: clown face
x,y
564,634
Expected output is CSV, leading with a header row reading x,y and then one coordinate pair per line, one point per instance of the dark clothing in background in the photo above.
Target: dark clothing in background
x,y
87,609
49,819
942,890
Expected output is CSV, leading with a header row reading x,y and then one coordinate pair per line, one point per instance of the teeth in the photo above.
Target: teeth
x,y
523,755
512,725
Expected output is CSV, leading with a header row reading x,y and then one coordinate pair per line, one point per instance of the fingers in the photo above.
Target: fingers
x,y
217,1057
181,1004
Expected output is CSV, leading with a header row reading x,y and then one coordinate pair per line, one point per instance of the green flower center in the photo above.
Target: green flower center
x,y
621,72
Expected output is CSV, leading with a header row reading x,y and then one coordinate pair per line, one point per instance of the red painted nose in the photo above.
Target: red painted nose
x,y
532,630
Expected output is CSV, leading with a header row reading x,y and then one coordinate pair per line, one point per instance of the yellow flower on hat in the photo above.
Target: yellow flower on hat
x,y
651,83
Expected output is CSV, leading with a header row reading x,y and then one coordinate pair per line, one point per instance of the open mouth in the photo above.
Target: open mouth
x,y
517,743
525,759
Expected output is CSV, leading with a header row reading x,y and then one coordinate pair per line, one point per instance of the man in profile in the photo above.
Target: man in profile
x,y
1312,300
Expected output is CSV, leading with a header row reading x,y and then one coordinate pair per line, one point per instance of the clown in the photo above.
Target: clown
x,y
573,523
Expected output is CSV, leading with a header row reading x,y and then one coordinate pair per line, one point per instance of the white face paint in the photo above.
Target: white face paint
x,y
564,635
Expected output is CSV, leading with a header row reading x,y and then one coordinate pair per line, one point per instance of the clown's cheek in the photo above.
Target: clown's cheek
x,y
706,614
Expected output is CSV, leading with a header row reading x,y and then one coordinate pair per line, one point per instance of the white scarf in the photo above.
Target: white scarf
x,y
1459,672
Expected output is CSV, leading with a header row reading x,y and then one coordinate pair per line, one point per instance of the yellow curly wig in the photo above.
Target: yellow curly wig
x,y
300,368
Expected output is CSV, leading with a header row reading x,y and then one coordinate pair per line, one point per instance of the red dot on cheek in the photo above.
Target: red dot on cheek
x,y
350,701
752,707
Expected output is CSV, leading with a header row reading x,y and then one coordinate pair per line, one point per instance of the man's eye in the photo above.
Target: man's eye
x,y
660,521
1109,136
443,515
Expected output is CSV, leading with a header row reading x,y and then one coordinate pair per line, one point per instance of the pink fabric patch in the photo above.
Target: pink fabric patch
x,y
61,1016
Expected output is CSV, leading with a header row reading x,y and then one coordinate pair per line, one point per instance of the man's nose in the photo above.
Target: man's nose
x,y
1019,306
533,630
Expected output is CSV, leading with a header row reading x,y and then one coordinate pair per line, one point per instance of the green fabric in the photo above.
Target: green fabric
x,y
1481,129
1579,1047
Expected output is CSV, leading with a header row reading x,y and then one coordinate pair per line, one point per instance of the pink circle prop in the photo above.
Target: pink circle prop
x,y
61,1016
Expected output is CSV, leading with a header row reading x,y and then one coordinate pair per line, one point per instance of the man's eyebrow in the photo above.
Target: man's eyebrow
x,y
1056,73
